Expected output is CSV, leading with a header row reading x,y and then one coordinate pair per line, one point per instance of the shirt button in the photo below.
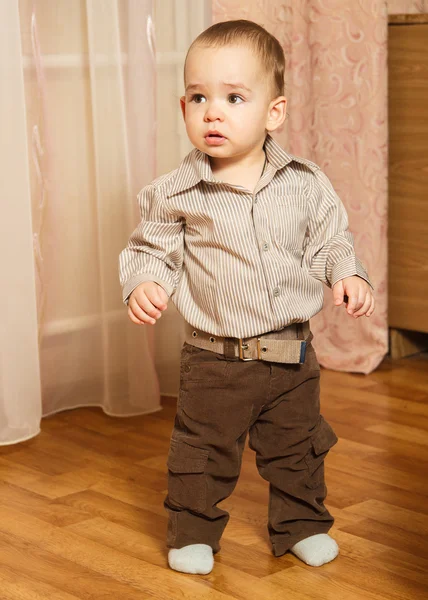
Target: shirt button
x,y
276,292
256,200
265,246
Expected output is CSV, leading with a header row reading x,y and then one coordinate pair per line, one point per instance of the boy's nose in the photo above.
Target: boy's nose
x,y
213,113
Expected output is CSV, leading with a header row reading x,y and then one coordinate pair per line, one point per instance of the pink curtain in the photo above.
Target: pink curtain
x,y
336,85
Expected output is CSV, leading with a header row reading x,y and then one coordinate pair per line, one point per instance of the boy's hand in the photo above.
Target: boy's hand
x,y
360,298
146,303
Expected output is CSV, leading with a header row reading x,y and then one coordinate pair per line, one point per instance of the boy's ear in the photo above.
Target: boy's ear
x,y
277,113
183,106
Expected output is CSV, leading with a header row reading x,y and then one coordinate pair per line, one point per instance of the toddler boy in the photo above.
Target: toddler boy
x,y
242,236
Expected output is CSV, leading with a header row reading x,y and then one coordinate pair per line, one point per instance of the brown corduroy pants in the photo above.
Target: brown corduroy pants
x,y
221,400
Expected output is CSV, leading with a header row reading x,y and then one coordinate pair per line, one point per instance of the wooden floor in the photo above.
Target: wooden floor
x,y
81,512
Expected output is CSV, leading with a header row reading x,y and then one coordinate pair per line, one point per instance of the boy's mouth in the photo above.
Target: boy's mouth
x,y
214,138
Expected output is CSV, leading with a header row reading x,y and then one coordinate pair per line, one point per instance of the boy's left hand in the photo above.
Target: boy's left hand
x,y
360,298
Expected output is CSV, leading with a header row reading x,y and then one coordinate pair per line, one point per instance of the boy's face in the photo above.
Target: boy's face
x,y
215,100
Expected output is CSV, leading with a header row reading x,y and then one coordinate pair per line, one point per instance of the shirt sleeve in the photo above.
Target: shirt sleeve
x,y
329,246
155,249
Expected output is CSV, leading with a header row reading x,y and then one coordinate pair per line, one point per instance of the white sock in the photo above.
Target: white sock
x,y
316,550
195,558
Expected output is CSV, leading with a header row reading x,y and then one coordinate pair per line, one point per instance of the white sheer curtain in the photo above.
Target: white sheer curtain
x,y
77,114
20,393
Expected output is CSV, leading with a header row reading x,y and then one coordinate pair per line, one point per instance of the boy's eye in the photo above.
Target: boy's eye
x,y
197,98
235,99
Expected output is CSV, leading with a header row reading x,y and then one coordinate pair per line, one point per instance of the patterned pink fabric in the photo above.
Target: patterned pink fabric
x,y
336,85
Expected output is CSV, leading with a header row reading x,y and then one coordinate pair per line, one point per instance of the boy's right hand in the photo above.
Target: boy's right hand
x,y
146,303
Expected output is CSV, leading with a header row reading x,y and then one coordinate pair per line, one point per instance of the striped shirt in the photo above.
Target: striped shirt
x,y
238,263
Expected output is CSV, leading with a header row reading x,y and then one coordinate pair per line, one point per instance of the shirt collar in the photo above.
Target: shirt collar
x,y
196,166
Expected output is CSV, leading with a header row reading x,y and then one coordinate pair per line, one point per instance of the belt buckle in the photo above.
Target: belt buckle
x,y
241,348
259,350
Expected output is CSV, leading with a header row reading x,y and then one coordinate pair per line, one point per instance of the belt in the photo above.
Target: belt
x,y
286,345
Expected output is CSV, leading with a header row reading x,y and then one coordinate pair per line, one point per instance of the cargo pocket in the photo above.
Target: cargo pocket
x,y
321,441
187,486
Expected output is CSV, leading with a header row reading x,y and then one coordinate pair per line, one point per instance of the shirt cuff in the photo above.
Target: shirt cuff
x,y
348,267
135,281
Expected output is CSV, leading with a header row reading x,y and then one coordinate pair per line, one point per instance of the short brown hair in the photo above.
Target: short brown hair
x,y
265,45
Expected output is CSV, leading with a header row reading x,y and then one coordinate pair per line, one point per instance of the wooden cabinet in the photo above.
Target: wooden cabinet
x,y
408,172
